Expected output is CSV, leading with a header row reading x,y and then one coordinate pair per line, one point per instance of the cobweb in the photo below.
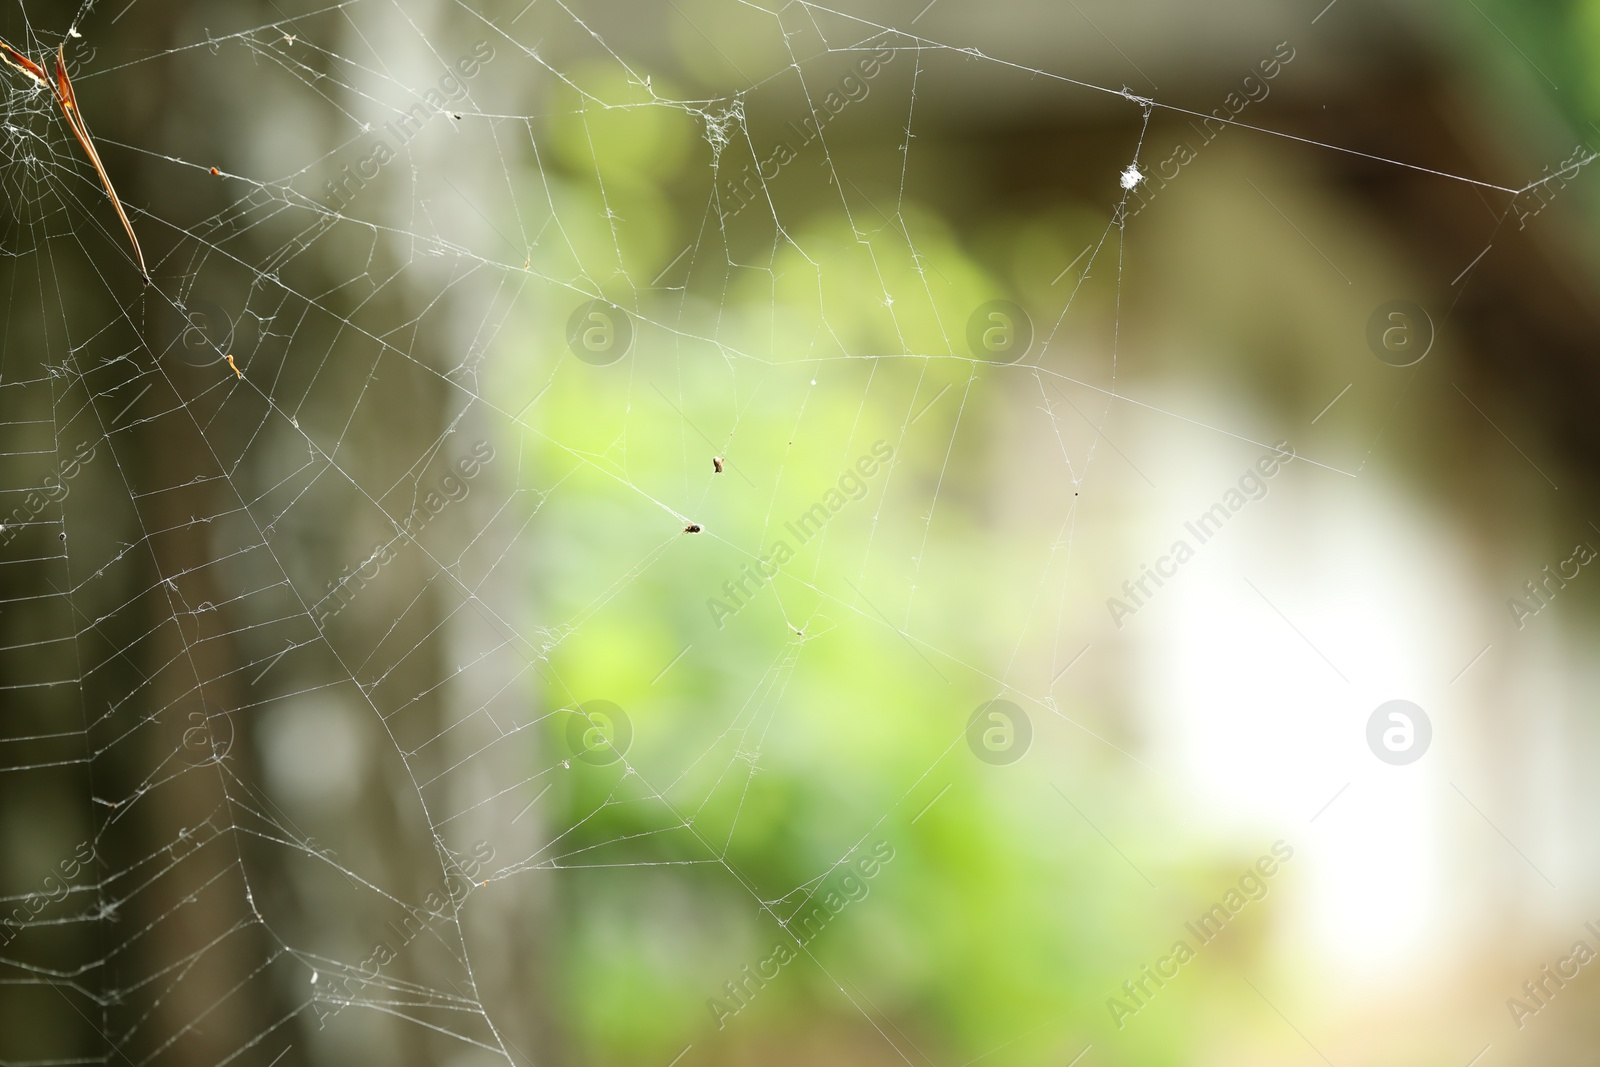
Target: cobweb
x,y
398,571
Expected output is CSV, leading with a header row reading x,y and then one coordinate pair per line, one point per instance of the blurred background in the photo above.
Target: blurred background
x,y
719,533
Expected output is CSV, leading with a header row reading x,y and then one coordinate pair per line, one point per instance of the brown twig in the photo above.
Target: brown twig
x,y
69,107
62,91
24,64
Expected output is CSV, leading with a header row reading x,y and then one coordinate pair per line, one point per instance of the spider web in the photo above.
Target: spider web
x,y
323,547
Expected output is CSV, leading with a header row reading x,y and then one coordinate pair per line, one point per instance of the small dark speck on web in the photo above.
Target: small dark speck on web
x,y
62,535
693,527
